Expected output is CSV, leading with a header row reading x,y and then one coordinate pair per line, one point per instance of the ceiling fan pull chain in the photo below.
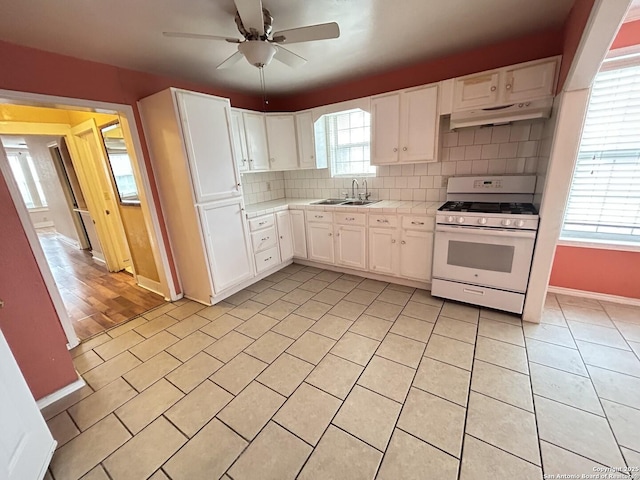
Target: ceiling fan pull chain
x,y
265,102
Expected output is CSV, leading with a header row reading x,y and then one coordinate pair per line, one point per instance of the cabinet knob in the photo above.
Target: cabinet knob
x,y
403,242
395,149
493,89
331,234
311,157
508,87
251,160
238,185
272,159
337,234
393,240
404,149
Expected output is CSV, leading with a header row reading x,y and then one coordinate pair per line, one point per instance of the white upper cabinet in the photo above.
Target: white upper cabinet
x,y
239,140
518,83
405,126
206,131
257,146
281,136
306,140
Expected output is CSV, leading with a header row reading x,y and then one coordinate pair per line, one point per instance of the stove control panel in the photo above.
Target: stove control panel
x,y
483,220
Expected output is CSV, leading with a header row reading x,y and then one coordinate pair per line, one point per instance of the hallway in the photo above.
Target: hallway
x,y
95,299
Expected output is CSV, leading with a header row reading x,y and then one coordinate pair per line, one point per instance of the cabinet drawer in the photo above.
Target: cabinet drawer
x,y
259,223
418,223
267,259
351,218
378,220
264,239
320,217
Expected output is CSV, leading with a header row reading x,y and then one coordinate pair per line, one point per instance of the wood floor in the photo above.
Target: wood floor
x,y
95,298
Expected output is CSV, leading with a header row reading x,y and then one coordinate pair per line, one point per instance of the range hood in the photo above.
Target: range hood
x,y
503,114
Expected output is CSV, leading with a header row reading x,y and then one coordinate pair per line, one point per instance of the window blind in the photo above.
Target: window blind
x,y
604,202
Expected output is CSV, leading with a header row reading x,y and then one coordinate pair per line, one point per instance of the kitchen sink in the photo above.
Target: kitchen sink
x,y
330,201
345,202
359,202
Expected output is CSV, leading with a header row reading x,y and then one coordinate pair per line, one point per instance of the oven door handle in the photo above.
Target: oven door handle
x,y
490,232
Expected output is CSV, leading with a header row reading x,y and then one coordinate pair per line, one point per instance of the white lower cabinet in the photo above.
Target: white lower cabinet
x,y
285,238
416,252
320,242
299,234
227,243
351,246
383,250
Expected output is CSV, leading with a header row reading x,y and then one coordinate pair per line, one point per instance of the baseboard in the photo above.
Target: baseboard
x,y
595,295
60,394
69,241
43,224
149,284
98,257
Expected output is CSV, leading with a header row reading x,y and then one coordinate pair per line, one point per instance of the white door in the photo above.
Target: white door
x,y
383,250
239,140
281,136
351,242
320,236
306,140
419,124
285,238
206,128
257,148
227,243
299,233
530,82
416,252
26,445
475,91
385,129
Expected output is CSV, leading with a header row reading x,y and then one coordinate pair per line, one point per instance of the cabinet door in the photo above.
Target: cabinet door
x,y
320,236
530,82
239,140
281,136
383,250
385,129
285,237
419,125
257,148
298,233
306,140
351,246
206,131
416,252
475,91
227,243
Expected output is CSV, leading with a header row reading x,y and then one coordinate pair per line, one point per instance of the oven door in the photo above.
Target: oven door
x,y
484,256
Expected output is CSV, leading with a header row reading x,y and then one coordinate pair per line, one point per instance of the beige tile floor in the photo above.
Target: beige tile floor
x,y
312,374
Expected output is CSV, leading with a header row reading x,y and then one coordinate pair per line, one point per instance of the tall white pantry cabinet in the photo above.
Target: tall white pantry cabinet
x,y
190,144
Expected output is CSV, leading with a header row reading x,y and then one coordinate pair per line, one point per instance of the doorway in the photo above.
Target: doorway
x,y
86,202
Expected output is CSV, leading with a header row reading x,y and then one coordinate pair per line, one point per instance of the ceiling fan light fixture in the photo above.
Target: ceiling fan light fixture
x,y
258,53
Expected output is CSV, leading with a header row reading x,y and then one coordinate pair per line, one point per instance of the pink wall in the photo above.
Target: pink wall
x,y
28,319
530,47
596,270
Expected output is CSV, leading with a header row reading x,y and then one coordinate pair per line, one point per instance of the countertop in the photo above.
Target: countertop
x,y
384,206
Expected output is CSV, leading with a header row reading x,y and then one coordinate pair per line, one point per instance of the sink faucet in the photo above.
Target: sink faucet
x,y
366,189
354,187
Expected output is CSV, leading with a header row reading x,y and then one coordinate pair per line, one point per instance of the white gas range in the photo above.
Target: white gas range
x,y
484,241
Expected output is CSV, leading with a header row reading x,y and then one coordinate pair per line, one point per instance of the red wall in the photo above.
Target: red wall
x,y
595,270
28,319
573,28
531,47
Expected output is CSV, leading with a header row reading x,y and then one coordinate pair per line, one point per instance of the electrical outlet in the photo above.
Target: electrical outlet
x,y
445,181
268,186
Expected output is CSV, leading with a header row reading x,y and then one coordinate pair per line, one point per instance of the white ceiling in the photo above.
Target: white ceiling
x,y
376,35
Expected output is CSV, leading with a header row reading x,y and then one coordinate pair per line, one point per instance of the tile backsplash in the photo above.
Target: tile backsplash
x,y
499,150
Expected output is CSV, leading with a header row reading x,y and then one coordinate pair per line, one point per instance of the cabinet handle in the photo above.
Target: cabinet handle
x,y
393,240
261,223
403,242
404,149
267,259
350,219
266,238
493,89
508,87
417,223
395,149
382,221
319,216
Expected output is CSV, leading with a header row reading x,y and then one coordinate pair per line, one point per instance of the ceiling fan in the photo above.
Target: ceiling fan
x,y
259,46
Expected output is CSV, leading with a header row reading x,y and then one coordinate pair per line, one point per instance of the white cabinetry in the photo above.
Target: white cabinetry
x,y
416,247
191,152
281,137
523,82
285,237
405,126
256,136
306,140
239,140
299,233
320,237
351,240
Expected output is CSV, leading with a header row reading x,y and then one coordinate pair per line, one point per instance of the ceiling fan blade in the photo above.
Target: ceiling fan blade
x,y
199,36
250,12
321,31
288,57
231,61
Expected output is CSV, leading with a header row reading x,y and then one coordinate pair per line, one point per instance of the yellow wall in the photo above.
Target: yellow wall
x,y
21,113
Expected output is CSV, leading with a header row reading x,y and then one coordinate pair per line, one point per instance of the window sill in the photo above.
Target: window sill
x,y
599,244
38,209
